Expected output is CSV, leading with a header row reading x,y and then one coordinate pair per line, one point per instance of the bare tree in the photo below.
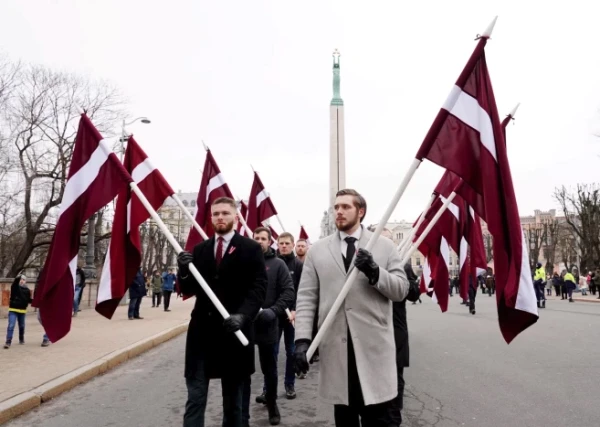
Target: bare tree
x,y
581,208
552,230
41,117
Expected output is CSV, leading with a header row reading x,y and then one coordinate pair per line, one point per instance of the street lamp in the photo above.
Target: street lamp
x,y
123,138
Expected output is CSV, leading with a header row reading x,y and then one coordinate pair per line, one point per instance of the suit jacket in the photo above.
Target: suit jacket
x,y
366,312
400,324
240,284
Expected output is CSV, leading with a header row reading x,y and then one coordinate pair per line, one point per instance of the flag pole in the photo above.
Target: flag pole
x,y
209,292
402,245
429,227
280,223
189,216
350,280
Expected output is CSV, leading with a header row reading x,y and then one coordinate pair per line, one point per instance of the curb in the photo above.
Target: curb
x,y
24,402
587,300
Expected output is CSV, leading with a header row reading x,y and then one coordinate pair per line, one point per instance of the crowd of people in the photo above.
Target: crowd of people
x,y
271,295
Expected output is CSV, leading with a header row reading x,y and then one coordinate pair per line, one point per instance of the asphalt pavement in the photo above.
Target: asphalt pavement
x,y
462,374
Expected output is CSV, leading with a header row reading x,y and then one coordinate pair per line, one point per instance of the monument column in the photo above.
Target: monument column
x,y
337,149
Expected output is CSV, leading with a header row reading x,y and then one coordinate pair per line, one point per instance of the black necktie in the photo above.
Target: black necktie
x,y
350,250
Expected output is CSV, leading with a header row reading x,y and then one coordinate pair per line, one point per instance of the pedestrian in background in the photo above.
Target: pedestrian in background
x,y
168,287
137,291
20,298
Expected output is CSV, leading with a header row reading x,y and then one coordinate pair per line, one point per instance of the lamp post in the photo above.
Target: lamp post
x,y
123,138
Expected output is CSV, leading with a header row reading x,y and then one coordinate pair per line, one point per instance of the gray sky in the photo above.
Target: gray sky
x,y
253,80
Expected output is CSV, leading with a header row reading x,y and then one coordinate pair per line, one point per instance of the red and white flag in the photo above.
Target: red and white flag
x,y
304,235
260,206
95,177
466,138
212,186
124,256
243,211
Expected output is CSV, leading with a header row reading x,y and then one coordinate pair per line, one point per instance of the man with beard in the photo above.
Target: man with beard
x,y
234,268
301,249
280,295
358,354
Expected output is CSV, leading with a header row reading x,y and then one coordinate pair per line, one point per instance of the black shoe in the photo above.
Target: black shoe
x,y
274,416
45,343
261,398
7,346
571,300
166,309
290,393
473,312
138,317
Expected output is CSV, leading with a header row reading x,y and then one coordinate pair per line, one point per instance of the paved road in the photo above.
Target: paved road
x,y
462,374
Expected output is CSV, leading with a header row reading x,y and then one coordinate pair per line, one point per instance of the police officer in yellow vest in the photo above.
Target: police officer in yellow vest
x,y
538,283
570,283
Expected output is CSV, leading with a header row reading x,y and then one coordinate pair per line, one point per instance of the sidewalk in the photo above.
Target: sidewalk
x,y
92,337
576,297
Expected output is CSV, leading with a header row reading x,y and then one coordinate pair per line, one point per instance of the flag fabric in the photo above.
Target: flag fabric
x,y
260,205
95,177
124,256
212,186
466,138
304,235
243,211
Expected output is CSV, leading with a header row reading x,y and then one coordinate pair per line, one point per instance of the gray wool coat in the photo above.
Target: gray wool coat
x,y
367,311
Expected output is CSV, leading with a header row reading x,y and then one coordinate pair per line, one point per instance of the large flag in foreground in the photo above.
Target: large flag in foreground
x,y
124,255
467,139
212,186
95,177
260,206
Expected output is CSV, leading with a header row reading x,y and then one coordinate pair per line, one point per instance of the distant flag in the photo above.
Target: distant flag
x,y
260,205
212,186
304,235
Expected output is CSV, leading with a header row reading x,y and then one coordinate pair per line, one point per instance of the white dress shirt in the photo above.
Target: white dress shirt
x,y
356,235
226,239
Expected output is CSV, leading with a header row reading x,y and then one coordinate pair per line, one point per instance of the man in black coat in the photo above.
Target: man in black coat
x,y
234,268
280,295
401,338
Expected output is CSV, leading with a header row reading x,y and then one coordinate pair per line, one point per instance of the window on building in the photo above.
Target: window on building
x,y
450,261
185,203
418,261
192,203
399,236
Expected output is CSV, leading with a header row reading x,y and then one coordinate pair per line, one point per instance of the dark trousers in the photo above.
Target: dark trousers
x,y
134,307
156,298
349,415
195,406
557,289
289,335
396,405
268,366
539,291
80,295
564,292
472,295
167,295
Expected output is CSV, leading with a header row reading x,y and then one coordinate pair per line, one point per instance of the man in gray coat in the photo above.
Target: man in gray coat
x,y
358,353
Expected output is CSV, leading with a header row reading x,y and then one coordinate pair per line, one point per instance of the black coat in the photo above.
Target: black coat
x,y
20,296
137,289
294,266
240,284
280,295
400,324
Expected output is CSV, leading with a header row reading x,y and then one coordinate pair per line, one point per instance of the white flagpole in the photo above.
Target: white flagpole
x,y
350,280
279,219
209,292
407,240
429,227
189,216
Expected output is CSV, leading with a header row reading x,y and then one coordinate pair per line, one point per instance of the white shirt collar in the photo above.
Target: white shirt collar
x,y
226,237
356,234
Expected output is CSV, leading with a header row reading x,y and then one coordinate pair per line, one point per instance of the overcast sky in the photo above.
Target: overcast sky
x,y
253,80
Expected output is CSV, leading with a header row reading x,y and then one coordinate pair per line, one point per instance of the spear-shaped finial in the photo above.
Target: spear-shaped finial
x,y
514,111
252,168
79,109
488,31
205,146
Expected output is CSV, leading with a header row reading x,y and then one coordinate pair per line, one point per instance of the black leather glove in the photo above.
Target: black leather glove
x,y
365,263
300,360
183,259
266,316
234,322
